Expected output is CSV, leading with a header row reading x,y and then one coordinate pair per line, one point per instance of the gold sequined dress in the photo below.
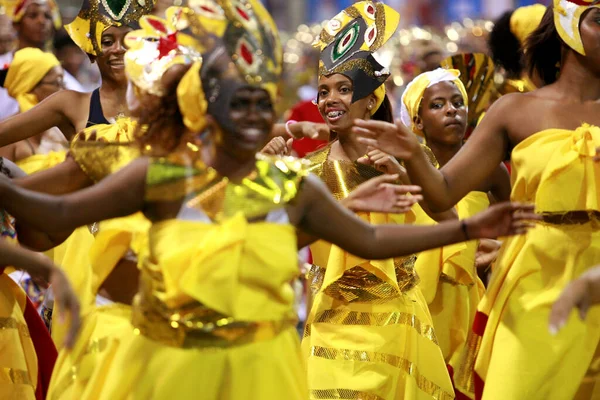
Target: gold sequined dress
x,y
214,317
369,334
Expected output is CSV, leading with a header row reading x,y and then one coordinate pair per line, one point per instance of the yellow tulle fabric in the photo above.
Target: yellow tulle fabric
x,y
28,68
452,289
369,333
518,357
233,268
18,360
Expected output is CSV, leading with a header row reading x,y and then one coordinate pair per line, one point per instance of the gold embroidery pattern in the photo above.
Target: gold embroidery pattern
x,y
351,65
14,376
344,317
194,325
447,279
405,365
358,285
11,323
342,394
100,159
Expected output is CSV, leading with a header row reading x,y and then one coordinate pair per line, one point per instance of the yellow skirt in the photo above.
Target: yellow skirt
x,y
374,350
147,369
78,373
518,357
18,361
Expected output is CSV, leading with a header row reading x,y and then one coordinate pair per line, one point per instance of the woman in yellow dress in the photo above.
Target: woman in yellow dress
x,y
550,135
215,314
434,106
24,360
368,333
33,76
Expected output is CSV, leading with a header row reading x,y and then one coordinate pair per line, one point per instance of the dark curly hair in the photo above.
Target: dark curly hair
x,y
384,112
160,127
544,49
505,47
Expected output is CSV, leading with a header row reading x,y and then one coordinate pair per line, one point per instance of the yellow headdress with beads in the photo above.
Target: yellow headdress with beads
x,y
159,45
567,17
96,16
348,41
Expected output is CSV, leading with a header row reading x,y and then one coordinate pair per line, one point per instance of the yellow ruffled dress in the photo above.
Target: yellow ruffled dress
x,y
518,357
91,255
452,289
215,318
369,334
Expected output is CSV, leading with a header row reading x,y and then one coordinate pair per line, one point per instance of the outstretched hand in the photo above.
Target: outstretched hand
x,y
581,294
394,139
68,304
380,194
503,219
278,146
312,130
384,162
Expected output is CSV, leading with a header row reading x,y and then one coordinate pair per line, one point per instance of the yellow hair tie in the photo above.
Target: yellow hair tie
x,y
191,99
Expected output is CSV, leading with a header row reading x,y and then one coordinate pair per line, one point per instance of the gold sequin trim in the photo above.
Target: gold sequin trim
x,y
341,394
463,375
405,365
351,65
358,285
11,323
344,317
14,376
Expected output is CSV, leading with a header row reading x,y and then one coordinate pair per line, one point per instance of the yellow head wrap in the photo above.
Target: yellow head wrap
x,y
379,94
16,9
28,68
525,20
160,45
413,95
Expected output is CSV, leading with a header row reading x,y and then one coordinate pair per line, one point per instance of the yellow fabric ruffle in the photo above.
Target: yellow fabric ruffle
x,y
231,267
28,68
223,258
18,360
518,358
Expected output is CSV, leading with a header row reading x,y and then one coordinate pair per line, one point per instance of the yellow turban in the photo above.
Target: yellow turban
x,y
413,95
379,94
28,68
525,20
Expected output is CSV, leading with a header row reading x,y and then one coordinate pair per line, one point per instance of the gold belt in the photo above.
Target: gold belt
x,y
571,217
202,328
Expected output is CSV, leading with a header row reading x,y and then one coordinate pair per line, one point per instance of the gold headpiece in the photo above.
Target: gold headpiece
x,y
348,41
477,75
156,47
525,20
96,16
567,17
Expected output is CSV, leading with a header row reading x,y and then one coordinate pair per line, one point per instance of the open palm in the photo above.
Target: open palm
x,y
380,194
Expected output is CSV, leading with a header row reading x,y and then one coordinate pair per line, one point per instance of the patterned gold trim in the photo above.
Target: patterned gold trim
x,y
447,279
407,366
344,317
14,376
342,394
351,65
463,375
11,323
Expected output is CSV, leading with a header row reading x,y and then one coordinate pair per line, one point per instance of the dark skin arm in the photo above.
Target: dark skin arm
x,y
315,212
445,187
38,265
322,217
119,195
65,110
64,178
